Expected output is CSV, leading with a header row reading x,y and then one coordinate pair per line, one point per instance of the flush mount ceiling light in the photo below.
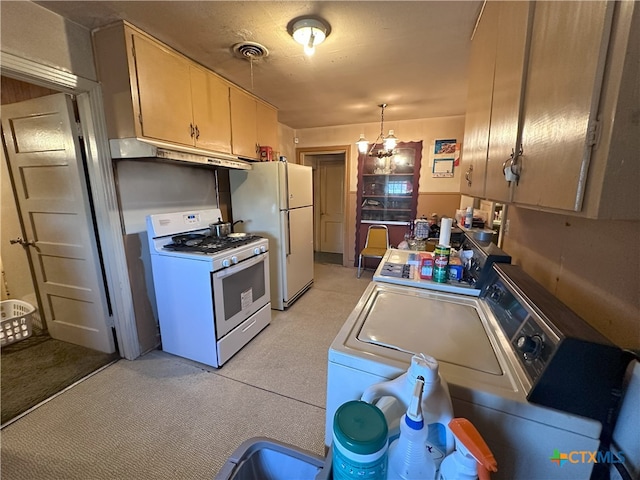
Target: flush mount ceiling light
x,y
388,143
309,32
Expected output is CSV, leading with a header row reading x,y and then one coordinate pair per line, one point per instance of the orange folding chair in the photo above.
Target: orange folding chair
x,y
376,245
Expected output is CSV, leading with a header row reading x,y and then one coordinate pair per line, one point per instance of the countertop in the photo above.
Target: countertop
x,y
403,257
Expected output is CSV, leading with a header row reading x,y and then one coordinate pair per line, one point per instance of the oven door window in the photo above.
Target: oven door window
x,y
239,292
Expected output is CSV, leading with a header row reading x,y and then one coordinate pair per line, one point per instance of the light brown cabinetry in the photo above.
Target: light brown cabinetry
x,y
211,114
155,93
253,124
569,42
479,97
496,70
563,86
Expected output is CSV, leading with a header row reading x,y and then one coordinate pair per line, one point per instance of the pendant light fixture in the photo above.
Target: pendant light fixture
x,y
309,32
388,143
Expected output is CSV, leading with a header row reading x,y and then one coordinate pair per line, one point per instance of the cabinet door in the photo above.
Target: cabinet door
x,y
566,63
211,115
164,92
479,97
243,124
512,32
267,125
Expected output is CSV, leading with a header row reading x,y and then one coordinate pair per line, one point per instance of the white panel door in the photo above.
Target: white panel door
x,y
331,206
45,159
298,244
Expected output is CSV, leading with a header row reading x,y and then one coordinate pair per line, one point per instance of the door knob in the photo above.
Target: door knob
x,y
21,241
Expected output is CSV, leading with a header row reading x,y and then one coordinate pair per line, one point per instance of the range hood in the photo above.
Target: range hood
x,y
129,148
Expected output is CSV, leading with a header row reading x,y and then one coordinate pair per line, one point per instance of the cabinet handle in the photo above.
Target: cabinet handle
x,y
197,133
191,130
510,167
468,175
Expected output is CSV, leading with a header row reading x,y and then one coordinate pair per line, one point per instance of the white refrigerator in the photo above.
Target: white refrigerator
x,y
275,200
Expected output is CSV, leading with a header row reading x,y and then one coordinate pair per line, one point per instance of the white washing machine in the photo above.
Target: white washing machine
x,y
497,352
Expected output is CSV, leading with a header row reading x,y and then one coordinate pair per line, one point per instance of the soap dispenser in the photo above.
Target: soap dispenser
x,y
409,458
471,459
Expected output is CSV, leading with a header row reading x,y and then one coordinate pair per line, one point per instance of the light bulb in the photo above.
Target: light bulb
x,y
363,145
390,141
309,33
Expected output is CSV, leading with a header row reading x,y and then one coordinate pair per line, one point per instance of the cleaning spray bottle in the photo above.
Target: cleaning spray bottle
x,y
408,457
393,399
471,459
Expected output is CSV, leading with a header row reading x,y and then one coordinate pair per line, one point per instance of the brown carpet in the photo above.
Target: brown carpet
x,y
38,367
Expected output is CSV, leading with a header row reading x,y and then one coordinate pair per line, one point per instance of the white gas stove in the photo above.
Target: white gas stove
x,y
212,293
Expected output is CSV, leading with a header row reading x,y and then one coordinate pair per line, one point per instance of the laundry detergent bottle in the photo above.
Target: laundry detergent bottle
x,y
393,398
471,459
408,457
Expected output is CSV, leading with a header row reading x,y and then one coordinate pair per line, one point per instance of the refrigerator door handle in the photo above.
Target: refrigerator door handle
x,y
288,233
286,185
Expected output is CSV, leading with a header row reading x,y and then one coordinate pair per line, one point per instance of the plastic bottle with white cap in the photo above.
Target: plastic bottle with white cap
x,y
408,457
468,217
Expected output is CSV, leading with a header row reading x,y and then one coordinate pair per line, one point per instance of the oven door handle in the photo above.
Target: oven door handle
x,y
241,266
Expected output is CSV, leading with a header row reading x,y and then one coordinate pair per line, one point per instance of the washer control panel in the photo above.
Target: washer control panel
x,y
532,342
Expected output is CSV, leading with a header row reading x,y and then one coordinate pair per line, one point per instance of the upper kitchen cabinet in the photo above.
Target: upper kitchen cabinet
x,y
479,97
496,70
562,111
253,124
514,19
155,93
567,60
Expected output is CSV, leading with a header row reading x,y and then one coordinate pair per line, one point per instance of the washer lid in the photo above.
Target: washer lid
x,y
449,330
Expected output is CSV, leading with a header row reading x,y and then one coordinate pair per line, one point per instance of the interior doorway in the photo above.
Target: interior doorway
x,y
329,200
72,334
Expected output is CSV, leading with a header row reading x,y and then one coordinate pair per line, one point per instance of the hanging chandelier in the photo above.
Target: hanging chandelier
x,y
388,143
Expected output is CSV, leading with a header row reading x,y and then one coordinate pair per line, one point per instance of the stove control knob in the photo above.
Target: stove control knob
x,y
234,259
226,263
530,346
256,251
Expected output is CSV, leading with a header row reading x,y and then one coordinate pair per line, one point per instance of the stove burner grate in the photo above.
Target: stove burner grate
x,y
209,244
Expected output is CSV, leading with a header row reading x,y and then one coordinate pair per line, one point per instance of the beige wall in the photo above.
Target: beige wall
x,y
427,130
33,32
286,145
591,265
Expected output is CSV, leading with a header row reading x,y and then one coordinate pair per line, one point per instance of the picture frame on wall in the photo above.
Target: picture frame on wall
x,y
442,167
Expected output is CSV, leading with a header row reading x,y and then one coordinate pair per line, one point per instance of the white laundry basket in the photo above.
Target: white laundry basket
x,y
15,321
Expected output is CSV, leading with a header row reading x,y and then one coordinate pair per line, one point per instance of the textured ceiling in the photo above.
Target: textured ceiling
x,y
411,55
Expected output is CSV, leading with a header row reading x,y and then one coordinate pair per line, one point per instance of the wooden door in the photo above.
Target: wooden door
x,y
243,124
331,206
45,160
164,93
211,115
569,44
479,98
512,31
